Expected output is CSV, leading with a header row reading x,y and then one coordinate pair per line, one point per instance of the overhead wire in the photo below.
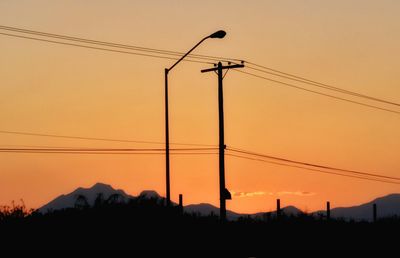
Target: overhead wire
x,y
98,139
325,86
250,65
103,49
115,45
206,151
139,151
317,92
107,149
310,164
158,53
107,153
315,170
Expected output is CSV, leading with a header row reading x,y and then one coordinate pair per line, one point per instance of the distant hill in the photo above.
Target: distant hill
x,y
69,200
387,206
206,209
288,210
150,194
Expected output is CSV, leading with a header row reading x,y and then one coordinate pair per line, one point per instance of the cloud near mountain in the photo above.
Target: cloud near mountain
x,y
260,193
298,193
248,194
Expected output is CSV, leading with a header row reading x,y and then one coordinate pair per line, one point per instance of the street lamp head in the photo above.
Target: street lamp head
x,y
219,34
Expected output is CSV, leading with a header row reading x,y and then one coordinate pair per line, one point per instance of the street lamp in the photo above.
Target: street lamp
x,y
219,35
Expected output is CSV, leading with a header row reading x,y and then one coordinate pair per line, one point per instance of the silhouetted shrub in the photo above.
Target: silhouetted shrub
x,y
14,212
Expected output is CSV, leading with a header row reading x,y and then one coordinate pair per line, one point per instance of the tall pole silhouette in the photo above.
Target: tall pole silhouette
x,y
223,192
222,201
168,192
219,34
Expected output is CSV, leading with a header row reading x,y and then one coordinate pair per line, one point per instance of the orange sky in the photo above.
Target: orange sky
x,y
71,91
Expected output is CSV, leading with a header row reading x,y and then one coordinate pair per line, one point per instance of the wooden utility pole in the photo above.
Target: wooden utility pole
x,y
223,192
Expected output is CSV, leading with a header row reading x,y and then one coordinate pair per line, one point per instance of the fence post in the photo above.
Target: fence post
x,y
374,212
328,210
181,203
278,208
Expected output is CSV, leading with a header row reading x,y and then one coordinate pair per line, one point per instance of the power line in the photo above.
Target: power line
x,y
103,49
161,151
315,170
39,146
318,93
115,45
256,67
84,40
106,149
98,139
365,176
107,153
322,85
164,54
260,68
311,164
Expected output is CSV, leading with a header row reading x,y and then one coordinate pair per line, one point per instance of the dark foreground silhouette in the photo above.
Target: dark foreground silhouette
x,y
145,224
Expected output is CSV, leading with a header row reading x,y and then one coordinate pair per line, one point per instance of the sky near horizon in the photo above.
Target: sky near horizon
x,y
55,89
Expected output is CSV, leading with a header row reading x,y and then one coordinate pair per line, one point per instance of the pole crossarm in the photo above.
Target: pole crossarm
x,y
223,68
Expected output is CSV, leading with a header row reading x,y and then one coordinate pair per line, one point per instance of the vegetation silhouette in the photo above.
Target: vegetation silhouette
x,y
146,221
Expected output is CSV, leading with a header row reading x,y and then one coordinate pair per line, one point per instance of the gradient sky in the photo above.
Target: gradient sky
x,y
71,91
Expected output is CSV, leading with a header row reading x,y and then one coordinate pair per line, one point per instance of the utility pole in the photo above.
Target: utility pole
x,y
168,193
224,194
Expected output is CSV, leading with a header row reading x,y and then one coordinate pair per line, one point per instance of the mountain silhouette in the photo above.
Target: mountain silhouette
x,y
206,209
387,206
291,210
69,200
149,194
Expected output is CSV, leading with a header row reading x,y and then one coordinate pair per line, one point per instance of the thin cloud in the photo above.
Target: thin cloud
x,y
297,193
261,193
249,194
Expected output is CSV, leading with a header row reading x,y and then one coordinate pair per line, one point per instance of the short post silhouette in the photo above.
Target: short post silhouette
x,y
278,208
181,203
374,212
328,210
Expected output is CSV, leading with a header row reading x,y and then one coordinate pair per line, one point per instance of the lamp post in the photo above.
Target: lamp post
x,y
219,34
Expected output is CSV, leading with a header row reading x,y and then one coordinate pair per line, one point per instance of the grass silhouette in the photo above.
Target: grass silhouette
x,y
138,222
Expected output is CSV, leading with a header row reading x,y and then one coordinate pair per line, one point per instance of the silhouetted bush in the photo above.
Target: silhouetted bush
x,y
14,212
140,221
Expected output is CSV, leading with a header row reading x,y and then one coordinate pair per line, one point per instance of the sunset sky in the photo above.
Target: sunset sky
x,y
65,90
